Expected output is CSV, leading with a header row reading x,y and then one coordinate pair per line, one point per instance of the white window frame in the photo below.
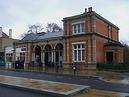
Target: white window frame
x,y
77,49
77,23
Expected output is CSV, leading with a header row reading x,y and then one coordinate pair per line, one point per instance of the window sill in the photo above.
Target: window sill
x,y
78,33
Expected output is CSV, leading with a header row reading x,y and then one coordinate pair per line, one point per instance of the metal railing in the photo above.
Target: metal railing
x,y
55,68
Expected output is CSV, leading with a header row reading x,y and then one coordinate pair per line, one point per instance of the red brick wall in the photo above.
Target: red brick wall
x,y
101,27
67,28
114,34
88,24
99,50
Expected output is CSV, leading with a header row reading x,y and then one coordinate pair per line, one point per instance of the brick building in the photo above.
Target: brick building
x,y
87,39
5,41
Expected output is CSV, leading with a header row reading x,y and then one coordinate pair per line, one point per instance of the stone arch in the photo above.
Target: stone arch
x,y
37,54
48,55
59,54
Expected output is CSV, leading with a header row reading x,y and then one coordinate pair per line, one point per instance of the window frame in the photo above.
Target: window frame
x,y
78,30
81,49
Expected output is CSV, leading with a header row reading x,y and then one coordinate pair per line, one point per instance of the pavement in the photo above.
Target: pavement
x,y
92,81
56,89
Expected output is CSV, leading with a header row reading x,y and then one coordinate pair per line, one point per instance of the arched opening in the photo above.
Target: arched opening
x,y
48,55
59,54
37,55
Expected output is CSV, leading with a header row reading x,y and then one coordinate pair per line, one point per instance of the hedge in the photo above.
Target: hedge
x,y
120,66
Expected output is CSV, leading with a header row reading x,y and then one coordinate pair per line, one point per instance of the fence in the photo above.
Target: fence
x,y
55,68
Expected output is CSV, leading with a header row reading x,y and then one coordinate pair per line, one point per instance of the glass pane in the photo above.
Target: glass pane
x,y
75,46
83,46
79,46
82,27
78,26
74,29
75,55
79,55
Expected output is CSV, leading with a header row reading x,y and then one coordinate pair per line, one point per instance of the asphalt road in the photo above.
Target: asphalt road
x,y
11,92
94,82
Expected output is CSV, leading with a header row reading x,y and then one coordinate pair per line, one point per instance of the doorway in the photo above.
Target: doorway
x,y
59,54
48,56
109,57
37,55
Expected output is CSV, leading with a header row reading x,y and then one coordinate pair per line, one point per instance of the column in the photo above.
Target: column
x,y
94,49
52,55
89,51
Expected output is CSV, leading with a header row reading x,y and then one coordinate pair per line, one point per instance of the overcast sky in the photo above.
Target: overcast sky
x,y
18,14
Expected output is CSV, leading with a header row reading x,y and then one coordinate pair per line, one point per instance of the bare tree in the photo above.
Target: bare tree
x,y
36,28
53,27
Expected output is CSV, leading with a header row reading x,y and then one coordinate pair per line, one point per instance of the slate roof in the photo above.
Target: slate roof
x,y
51,35
4,35
41,36
31,36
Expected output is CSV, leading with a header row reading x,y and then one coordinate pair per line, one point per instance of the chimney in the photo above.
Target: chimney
x,y
10,33
1,31
85,10
90,9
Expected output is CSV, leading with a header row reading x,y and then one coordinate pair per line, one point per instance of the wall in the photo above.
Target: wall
x,y
100,49
7,42
102,28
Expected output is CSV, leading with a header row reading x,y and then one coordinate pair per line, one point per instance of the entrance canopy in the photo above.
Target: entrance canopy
x,y
113,52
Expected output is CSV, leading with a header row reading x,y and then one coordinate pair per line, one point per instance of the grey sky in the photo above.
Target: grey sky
x,y
17,14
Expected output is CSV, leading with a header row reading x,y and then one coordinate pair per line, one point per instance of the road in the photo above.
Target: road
x,y
94,82
11,92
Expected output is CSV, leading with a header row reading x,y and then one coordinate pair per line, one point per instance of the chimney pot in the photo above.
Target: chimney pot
x,y
85,10
10,33
90,9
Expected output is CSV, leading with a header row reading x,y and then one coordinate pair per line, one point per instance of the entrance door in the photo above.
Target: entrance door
x,y
48,56
38,55
109,57
59,54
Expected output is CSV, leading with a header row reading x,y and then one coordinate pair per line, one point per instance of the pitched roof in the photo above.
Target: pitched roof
x,y
51,35
31,36
43,35
4,35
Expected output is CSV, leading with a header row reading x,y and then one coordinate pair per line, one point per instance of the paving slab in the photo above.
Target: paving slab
x,y
57,89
